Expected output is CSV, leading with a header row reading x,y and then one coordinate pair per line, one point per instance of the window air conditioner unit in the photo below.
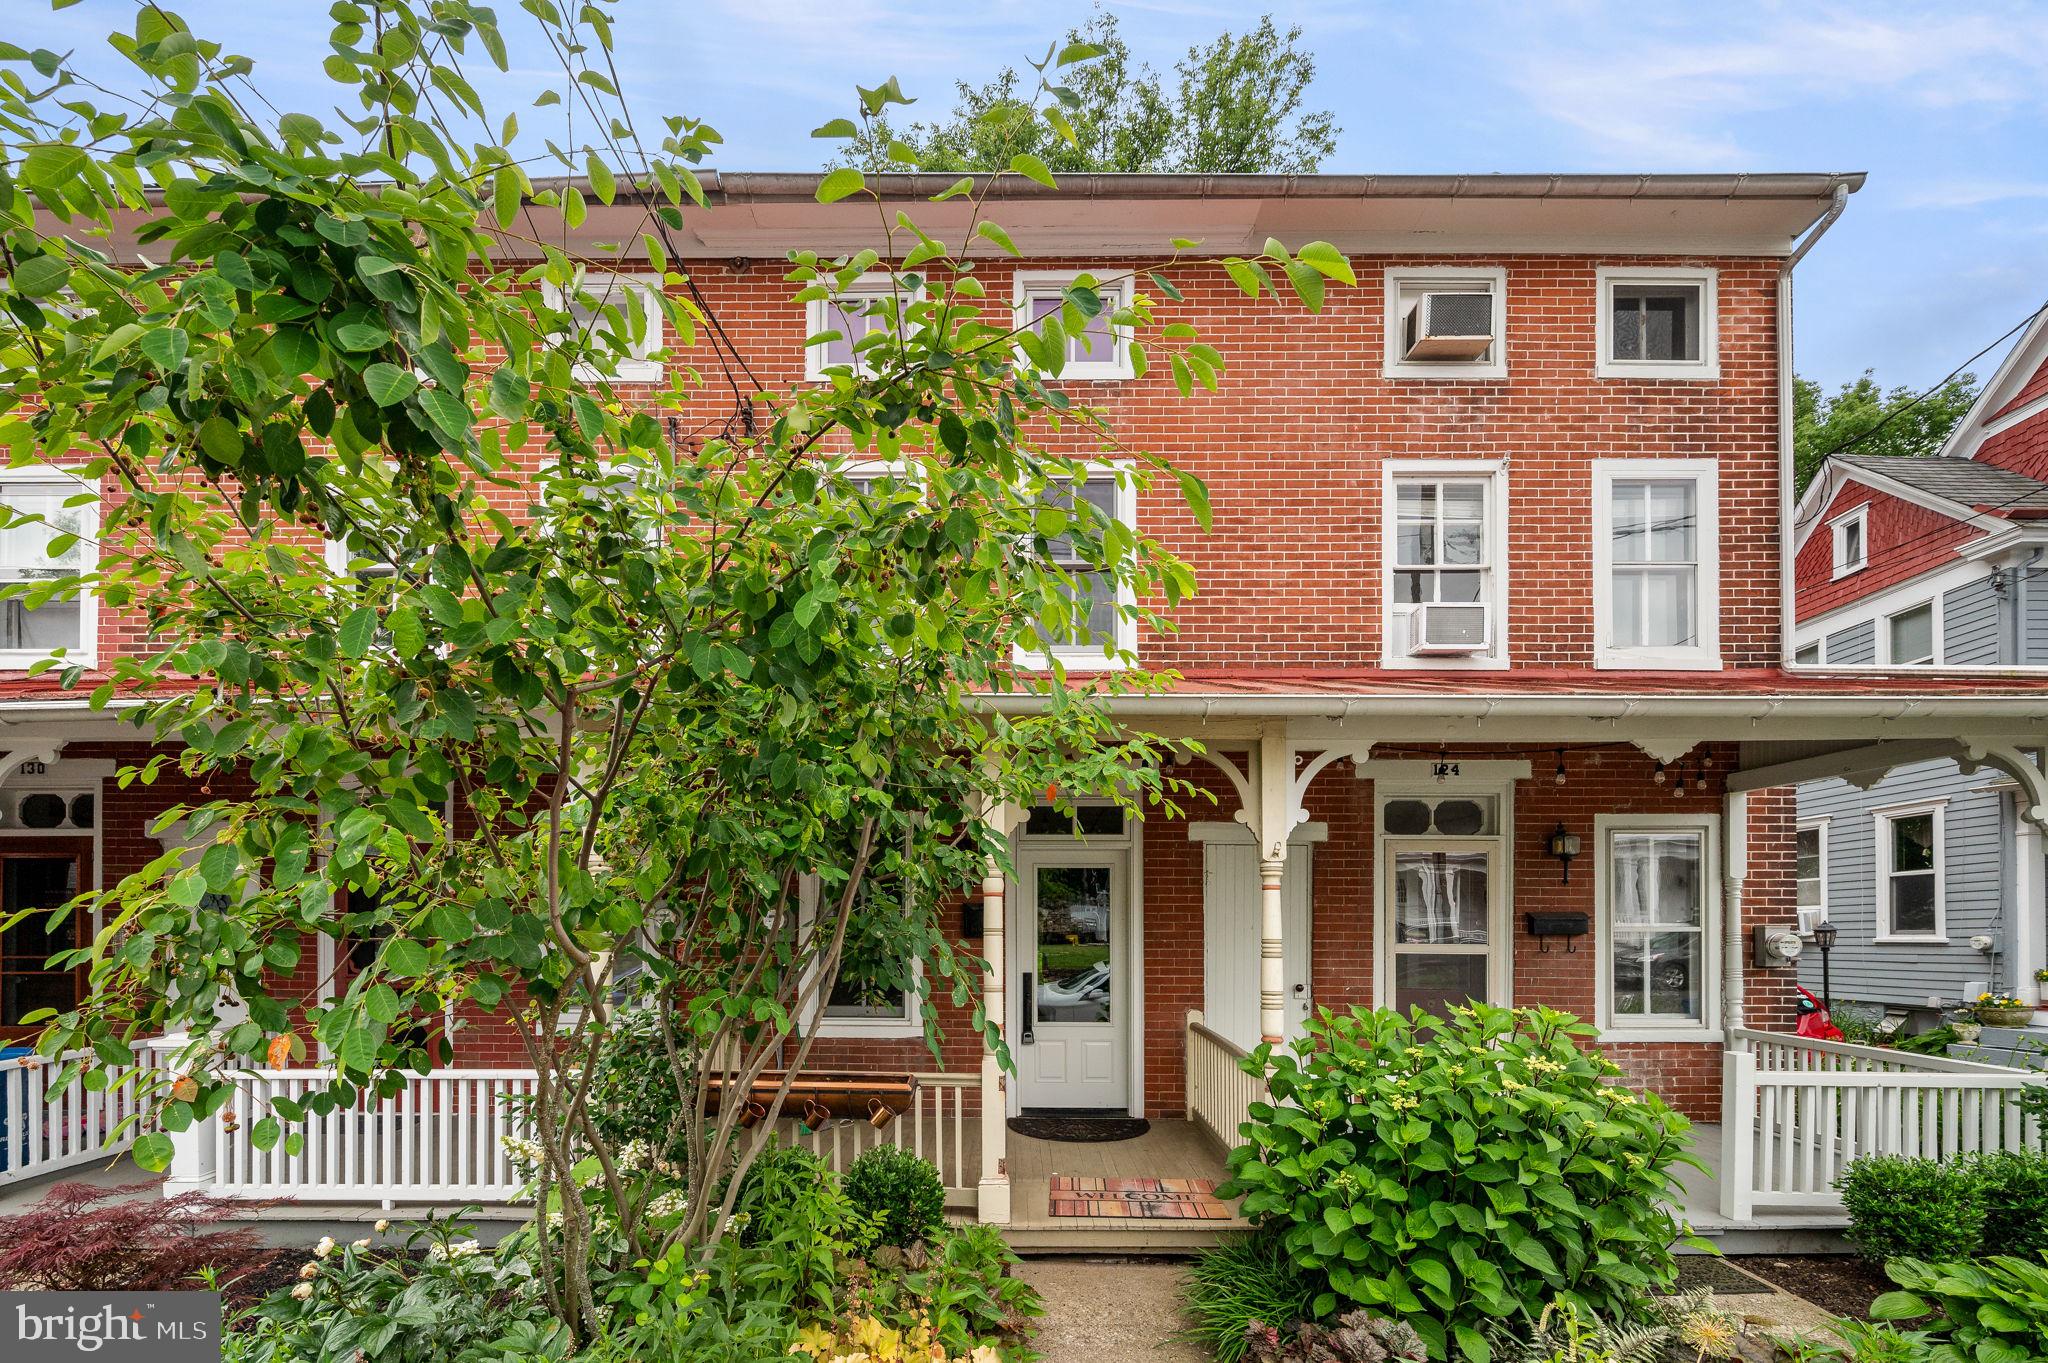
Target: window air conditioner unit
x,y
1809,919
1444,628
1449,326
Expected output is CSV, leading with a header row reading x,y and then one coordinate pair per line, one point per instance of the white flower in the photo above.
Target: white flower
x,y
382,1226
324,1248
670,1203
310,1270
302,1291
363,1243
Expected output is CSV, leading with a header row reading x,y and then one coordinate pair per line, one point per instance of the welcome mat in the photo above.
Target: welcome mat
x,y
1163,1199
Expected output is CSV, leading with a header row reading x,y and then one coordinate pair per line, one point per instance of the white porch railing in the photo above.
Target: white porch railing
x,y
44,1130
936,1128
1796,1112
441,1139
1219,1094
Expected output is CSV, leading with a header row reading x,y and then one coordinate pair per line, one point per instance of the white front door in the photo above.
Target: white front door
x,y
1070,980
1443,932
1231,935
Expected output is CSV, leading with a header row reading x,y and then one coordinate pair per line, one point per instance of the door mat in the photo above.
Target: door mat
x,y
1081,1129
1160,1199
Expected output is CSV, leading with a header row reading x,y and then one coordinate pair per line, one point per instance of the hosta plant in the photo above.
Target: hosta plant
x,y
1984,1311
1456,1171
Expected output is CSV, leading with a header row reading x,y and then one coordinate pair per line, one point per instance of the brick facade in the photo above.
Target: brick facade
x,y
1902,540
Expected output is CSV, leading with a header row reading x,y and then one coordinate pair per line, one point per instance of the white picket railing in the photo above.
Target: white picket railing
x,y
937,1128
1219,1092
43,1130
1796,1112
441,1139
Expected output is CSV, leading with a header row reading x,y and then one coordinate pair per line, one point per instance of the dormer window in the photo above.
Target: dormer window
x,y
1446,322
1851,534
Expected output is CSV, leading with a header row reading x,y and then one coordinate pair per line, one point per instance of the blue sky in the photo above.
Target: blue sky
x,y
1945,104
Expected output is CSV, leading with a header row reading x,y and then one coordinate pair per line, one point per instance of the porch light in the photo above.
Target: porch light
x,y
1558,779
1564,846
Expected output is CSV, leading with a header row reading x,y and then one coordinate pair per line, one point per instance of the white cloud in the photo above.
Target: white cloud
x,y
1673,92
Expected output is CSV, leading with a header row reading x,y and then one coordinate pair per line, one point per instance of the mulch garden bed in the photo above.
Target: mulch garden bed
x,y
261,1274
1842,1284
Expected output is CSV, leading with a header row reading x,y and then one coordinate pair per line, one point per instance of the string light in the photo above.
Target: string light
x,y
1658,775
1558,779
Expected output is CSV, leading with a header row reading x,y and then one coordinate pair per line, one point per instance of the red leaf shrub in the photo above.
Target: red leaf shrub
x,y
82,1238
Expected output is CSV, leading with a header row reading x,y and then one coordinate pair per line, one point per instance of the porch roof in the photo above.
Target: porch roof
x,y
1752,684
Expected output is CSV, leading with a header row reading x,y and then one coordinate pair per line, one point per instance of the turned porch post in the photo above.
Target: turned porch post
x,y
1735,865
992,1194
1272,822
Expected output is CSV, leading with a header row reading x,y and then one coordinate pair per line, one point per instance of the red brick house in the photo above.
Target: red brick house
x,y
1490,660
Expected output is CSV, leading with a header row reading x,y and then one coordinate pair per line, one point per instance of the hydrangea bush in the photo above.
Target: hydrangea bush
x,y
1460,1170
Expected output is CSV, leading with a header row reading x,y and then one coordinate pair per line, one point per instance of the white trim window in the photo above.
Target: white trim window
x,y
1809,655
1446,322
1111,633
1912,637
1849,541
1911,849
1096,348
860,1004
53,533
1445,564
1658,324
1657,894
1810,873
613,300
1656,564
838,325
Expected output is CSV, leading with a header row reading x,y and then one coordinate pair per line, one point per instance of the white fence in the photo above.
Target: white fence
x,y
1220,1094
937,1128
441,1139
1796,1112
43,1130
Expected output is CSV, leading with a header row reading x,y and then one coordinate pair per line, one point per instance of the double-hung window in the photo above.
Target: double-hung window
x,y
50,533
1445,322
1849,538
876,991
618,322
1910,901
1811,874
1443,565
1094,346
1657,324
1910,636
872,303
1656,900
1656,588
1094,631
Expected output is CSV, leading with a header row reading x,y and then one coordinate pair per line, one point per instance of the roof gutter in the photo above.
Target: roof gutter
x,y
1605,705
1788,606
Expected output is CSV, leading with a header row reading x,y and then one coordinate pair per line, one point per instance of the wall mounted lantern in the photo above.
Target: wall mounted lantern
x,y
1564,846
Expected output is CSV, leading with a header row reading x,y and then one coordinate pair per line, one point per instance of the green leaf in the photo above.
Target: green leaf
x,y
1328,261
219,864
360,336
509,394
152,1151
294,351
357,632
838,127
1031,168
602,182
1080,52
508,189
839,184
219,438
165,348
405,958
408,633
40,276
997,235
389,384
1898,1306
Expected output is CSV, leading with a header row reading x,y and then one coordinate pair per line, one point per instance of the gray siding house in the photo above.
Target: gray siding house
x,y
1935,882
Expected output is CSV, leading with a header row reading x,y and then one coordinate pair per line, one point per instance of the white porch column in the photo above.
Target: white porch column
x,y
992,1195
1735,859
1272,822
194,1151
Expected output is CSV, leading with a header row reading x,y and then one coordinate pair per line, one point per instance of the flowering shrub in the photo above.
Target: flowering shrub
x,y
1456,1171
435,1295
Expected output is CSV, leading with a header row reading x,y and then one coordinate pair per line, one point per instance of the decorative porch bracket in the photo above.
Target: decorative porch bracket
x,y
1271,798
1864,767
2021,765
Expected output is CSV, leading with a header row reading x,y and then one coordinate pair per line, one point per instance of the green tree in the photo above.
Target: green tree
x,y
712,703
1823,423
1234,107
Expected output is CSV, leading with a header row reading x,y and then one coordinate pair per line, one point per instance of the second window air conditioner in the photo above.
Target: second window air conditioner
x,y
1448,628
1449,326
